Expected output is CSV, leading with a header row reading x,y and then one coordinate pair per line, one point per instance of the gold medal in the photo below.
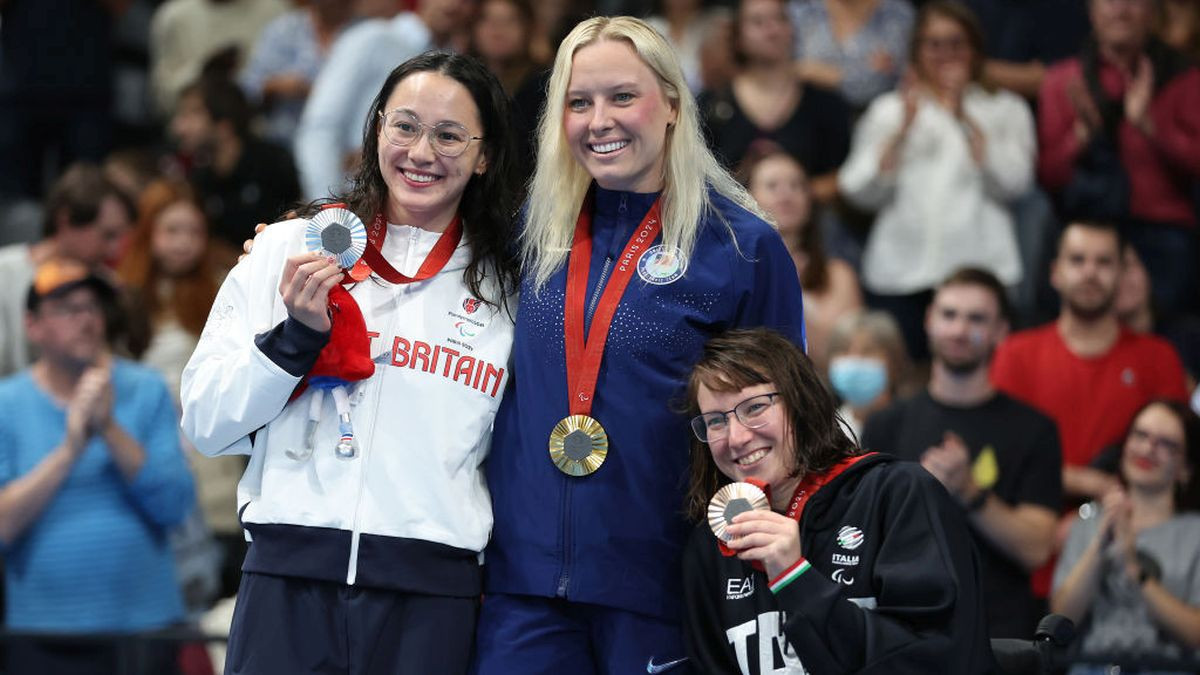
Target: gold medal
x,y
578,445
731,500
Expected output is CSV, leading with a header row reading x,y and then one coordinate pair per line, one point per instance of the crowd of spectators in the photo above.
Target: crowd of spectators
x,y
992,207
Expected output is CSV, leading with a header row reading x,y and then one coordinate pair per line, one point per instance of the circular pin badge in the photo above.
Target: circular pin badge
x,y
661,265
731,500
339,233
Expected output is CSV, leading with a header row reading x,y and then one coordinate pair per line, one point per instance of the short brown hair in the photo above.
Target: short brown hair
x,y
977,276
965,18
748,357
1097,225
79,192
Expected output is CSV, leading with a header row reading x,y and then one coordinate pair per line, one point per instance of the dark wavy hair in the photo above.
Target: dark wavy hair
x,y
1187,494
489,202
748,357
815,277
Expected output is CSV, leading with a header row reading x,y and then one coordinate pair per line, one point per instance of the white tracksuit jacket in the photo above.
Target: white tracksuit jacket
x,y
412,511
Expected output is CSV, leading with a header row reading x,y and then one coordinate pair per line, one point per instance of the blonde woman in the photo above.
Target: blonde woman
x,y
635,238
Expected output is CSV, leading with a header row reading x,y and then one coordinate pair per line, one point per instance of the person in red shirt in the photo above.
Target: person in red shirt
x,y
1119,139
1085,370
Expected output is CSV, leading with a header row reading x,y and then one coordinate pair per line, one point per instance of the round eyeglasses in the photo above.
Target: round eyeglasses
x,y
714,426
448,139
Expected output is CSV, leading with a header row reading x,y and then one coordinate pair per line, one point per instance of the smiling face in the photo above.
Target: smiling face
x,y
780,187
424,188
944,53
616,117
1155,454
179,238
766,453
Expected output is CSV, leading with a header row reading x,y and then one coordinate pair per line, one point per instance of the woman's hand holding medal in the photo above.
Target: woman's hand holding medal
x,y
305,285
770,538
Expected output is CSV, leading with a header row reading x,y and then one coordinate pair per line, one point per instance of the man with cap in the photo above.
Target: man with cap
x,y
91,478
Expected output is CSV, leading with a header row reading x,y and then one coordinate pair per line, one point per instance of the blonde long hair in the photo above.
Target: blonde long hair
x,y
560,182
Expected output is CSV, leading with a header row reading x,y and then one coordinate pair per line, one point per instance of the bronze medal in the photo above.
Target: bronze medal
x,y
578,445
731,500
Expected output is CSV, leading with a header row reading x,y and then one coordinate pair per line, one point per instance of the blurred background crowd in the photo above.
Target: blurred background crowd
x,y
893,142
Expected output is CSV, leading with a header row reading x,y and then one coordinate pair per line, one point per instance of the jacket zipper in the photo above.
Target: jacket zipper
x,y
564,577
377,385
591,310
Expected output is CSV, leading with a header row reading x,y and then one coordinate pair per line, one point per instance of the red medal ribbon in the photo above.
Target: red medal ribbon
x,y
583,358
373,260
809,486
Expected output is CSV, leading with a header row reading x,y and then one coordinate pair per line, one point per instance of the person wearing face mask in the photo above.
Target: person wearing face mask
x,y
1130,570
999,458
637,239
867,363
821,559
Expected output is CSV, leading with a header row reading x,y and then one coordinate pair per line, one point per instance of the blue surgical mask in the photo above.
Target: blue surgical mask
x,y
858,380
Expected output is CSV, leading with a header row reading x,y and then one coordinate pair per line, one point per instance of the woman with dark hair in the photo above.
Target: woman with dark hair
x,y
829,560
635,237
1119,141
780,185
1129,573
939,159
500,37
367,523
171,271
768,100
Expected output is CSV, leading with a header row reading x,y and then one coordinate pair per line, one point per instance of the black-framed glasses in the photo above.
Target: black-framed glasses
x,y
714,426
448,139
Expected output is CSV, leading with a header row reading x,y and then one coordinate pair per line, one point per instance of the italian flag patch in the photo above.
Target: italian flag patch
x,y
789,575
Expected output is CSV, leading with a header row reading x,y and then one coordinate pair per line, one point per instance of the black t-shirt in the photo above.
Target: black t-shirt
x,y
817,134
1028,465
261,187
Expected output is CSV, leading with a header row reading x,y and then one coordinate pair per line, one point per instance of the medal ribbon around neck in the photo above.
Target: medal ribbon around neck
x,y
804,492
373,260
578,443
809,486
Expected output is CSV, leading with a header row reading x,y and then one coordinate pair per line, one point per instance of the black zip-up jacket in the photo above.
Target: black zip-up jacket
x,y
893,588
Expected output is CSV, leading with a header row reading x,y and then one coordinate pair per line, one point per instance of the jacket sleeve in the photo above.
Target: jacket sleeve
x,y
707,646
1177,122
1057,142
1011,149
768,287
230,387
859,180
927,611
162,490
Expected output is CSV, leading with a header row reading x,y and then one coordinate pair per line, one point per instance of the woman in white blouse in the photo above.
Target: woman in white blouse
x,y
938,159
